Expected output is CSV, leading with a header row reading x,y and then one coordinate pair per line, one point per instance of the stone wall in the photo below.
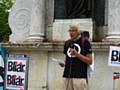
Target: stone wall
x,y
28,25
43,72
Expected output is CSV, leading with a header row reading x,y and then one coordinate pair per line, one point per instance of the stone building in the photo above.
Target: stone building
x,y
37,33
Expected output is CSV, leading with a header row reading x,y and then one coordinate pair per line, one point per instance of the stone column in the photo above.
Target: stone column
x,y
37,21
19,20
113,20
49,19
27,21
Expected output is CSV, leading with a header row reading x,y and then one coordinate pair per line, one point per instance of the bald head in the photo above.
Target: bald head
x,y
74,27
74,31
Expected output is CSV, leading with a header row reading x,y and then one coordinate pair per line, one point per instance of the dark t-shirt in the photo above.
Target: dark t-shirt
x,y
74,67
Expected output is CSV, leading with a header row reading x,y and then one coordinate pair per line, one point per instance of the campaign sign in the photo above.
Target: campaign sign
x,y
16,72
114,56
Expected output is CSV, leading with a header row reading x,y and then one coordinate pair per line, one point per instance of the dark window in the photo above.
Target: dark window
x,y
78,8
99,12
72,9
59,9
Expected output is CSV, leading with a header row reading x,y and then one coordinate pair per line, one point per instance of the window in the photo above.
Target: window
x,y
74,9
59,9
71,9
99,12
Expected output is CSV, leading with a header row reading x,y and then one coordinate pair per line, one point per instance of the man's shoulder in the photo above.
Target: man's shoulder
x,y
67,41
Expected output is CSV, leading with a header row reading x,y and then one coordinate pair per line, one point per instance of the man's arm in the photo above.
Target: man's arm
x,y
87,59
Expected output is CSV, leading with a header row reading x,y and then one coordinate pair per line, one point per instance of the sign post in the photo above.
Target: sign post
x,y
16,77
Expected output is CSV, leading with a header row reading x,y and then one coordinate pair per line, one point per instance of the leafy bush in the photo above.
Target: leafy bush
x,y
5,31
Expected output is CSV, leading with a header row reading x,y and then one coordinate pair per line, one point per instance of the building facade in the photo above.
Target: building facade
x,y
37,33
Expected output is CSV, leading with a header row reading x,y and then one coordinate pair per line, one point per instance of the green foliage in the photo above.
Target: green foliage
x,y
5,31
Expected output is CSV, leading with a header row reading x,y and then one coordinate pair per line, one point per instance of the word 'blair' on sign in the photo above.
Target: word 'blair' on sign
x,y
16,72
114,56
15,80
16,66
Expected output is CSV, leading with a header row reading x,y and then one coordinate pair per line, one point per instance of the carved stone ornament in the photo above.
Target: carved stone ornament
x,y
19,20
26,21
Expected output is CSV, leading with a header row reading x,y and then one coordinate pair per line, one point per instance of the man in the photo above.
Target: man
x,y
78,57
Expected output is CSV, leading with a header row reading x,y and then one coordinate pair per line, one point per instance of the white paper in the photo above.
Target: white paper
x,y
59,61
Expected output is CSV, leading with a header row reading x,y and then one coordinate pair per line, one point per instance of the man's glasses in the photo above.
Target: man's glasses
x,y
72,30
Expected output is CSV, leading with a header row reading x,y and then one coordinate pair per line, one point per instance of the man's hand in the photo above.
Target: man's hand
x,y
61,64
73,51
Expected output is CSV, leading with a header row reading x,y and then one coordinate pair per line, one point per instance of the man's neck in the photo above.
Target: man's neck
x,y
76,38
